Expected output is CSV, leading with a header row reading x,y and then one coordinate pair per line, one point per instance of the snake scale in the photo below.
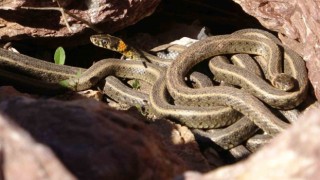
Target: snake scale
x,y
203,107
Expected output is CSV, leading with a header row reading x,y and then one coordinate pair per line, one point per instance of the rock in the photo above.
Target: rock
x,y
294,154
297,22
23,158
19,22
180,140
89,139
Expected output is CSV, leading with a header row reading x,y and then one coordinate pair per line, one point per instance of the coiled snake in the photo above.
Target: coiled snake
x,y
204,107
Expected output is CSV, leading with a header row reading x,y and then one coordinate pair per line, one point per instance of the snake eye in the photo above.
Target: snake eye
x,y
103,42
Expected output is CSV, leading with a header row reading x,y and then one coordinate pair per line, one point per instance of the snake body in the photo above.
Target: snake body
x,y
158,99
247,104
245,61
215,116
202,107
260,88
226,96
36,68
191,116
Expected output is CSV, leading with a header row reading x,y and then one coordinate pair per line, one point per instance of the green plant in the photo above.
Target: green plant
x,y
59,56
136,84
66,83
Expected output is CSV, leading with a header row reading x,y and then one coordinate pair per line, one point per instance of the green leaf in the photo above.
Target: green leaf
x,y
136,84
78,73
64,83
59,56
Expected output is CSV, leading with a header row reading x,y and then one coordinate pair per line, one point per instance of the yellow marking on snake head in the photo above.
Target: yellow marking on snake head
x,y
129,54
122,47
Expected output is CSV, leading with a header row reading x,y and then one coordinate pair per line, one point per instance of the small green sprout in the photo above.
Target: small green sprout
x,y
66,83
59,56
136,84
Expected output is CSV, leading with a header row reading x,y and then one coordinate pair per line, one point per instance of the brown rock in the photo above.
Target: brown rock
x,y
23,158
109,15
298,23
180,140
91,140
294,154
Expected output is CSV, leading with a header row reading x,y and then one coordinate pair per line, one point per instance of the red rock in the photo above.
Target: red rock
x,y
298,24
108,15
24,158
88,141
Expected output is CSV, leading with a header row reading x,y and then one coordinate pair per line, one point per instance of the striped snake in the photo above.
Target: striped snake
x,y
219,45
204,107
246,41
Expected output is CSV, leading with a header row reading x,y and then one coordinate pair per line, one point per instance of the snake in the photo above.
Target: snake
x,y
45,73
35,68
295,67
171,79
174,112
239,100
236,133
226,138
245,61
193,117
118,45
35,73
166,110
264,91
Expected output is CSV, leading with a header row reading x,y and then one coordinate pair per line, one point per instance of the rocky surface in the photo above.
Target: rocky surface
x,y
294,154
87,140
18,21
84,139
180,140
298,24
21,157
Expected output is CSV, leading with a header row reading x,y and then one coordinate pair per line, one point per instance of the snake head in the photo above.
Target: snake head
x,y
283,82
114,44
